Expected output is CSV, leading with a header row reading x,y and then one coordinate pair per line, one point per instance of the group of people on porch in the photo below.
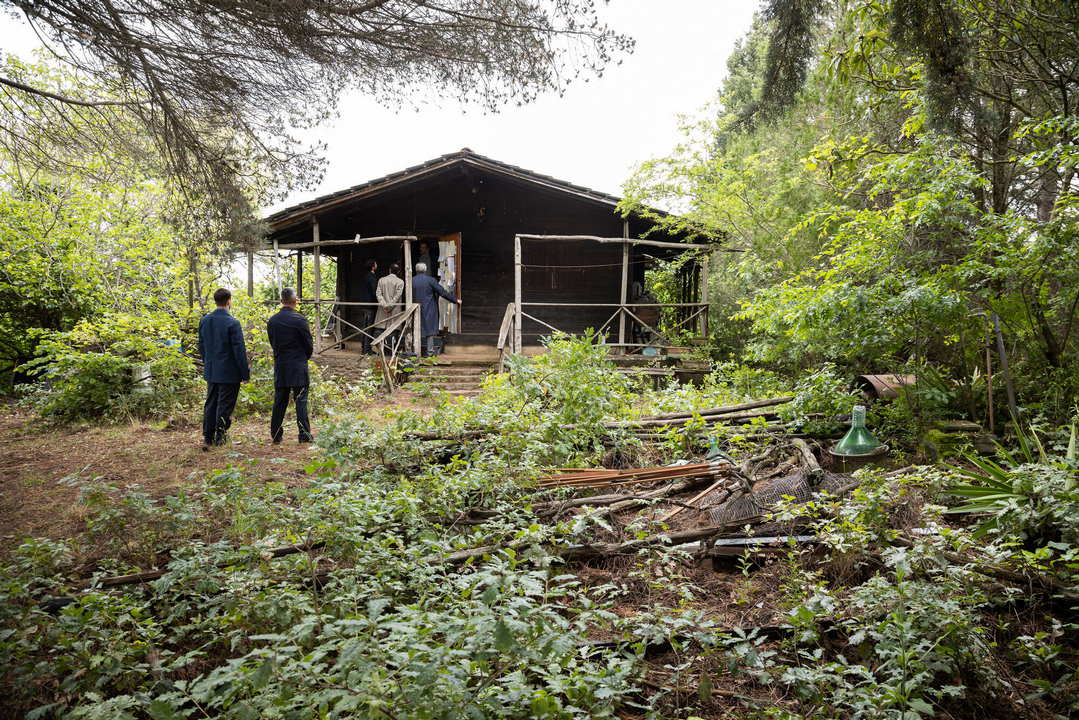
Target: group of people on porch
x,y
388,293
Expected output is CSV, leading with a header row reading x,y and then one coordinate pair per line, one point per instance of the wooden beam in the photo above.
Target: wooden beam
x,y
624,296
299,272
416,339
609,305
631,241
354,241
318,283
703,320
517,294
277,269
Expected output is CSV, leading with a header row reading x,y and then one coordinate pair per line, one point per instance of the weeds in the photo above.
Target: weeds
x,y
885,616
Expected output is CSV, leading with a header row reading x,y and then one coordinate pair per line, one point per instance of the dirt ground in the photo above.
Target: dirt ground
x,y
34,459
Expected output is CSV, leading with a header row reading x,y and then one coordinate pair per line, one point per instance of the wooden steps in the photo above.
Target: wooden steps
x,y
454,374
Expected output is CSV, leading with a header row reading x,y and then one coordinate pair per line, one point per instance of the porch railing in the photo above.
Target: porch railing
x,y
694,320
506,336
392,338
389,338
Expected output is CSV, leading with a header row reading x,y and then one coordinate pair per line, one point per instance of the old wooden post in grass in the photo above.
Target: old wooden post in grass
x,y
299,274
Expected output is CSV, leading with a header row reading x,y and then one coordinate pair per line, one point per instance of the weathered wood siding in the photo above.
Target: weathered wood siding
x,y
488,211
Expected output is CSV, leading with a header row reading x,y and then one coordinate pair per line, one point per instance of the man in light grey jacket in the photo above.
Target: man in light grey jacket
x,y
388,296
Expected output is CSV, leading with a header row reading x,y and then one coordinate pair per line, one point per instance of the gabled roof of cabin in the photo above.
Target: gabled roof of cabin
x,y
463,157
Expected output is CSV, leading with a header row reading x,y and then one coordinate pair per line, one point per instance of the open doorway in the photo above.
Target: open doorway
x,y
442,256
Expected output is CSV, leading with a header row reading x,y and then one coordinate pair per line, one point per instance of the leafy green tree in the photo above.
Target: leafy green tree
x,y
919,182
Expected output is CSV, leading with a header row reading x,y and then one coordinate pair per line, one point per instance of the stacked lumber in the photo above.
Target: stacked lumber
x,y
724,415
591,478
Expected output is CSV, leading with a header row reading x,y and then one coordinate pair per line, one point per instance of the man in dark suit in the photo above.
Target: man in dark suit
x,y
224,366
368,294
290,338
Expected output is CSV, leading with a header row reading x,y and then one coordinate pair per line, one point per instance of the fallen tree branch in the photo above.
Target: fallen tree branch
x,y
141,577
463,435
595,550
721,410
997,572
58,603
814,473
724,419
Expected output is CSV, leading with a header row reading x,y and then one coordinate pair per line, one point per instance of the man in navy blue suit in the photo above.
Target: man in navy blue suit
x,y
224,366
290,338
426,291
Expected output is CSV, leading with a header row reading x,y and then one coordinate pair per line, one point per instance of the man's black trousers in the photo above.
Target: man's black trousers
x,y
367,316
217,412
280,404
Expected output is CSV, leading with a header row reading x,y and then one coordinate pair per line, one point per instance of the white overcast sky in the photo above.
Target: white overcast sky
x,y
591,136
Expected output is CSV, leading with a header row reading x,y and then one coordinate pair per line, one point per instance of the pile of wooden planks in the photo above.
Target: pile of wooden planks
x,y
601,477
724,415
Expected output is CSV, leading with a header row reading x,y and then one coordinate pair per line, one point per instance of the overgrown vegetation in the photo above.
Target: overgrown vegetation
x,y
898,179
895,613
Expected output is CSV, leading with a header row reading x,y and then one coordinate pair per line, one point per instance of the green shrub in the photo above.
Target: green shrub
x,y
547,409
91,372
820,399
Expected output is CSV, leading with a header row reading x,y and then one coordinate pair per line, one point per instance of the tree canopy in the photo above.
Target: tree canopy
x,y
221,89
920,181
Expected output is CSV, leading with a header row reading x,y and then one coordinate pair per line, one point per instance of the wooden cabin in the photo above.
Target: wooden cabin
x,y
472,212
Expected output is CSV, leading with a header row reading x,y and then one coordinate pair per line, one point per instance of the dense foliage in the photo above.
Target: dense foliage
x,y
371,619
920,185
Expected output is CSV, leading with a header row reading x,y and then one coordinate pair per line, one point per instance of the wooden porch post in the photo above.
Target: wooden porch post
x,y
299,271
318,285
250,274
517,294
416,349
625,289
702,323
192,269
277,269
